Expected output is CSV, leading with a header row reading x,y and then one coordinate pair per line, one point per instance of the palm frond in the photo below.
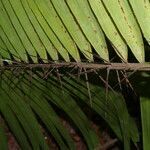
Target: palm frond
x,y
142,88
35,31
22,98
67,28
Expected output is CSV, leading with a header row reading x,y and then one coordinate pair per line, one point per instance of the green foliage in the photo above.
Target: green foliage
x,y
142,88
61,30
66,28
22,98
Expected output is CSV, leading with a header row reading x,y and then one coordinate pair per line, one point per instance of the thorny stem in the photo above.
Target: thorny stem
x,y
109,66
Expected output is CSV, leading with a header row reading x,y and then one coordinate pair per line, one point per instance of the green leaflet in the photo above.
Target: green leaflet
x,y
73,28
28,28
109,29
4,50
90,26
24,114
9,35
142,86
69,106
145,115
12,121
112,111
53,20
41,33
24,39
118,108
124,19
48,31
143,16
51,120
